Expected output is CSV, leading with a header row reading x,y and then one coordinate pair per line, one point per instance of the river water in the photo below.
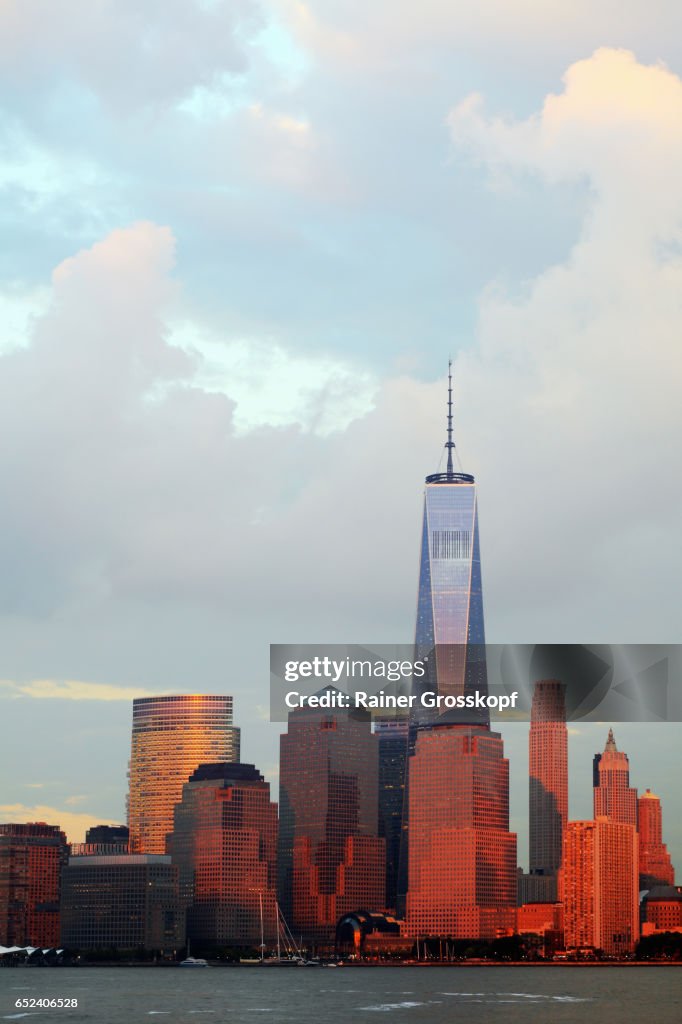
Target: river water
x,y
316,995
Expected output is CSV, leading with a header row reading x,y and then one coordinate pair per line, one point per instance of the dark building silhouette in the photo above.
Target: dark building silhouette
x,y
31,860
109,835
548,782
331,858
225,847
392,734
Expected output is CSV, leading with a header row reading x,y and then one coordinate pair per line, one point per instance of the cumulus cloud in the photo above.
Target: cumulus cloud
x,y
580,371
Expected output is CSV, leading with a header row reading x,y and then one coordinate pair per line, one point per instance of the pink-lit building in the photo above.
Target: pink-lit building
x,y
462,856
655,866
548,781
31,861
600,886
331,858
614,797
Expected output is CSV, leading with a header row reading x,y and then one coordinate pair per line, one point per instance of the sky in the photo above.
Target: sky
x,y
240,242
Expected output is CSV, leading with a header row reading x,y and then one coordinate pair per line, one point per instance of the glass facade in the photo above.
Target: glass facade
x,y
31,859
331,858
392,734
171,737
124,901
548,781
450,631
225,846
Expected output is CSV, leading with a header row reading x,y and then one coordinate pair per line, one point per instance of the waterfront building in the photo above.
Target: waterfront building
x,y
662,910
331,858
225,847
127,902
462,856
614,798
548,782
171,737
392,734
31,859
655,866
600,891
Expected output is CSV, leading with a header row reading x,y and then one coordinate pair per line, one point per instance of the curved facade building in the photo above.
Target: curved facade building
x,y
172,736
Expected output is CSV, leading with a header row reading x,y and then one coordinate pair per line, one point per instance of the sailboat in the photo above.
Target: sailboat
x,y
191,961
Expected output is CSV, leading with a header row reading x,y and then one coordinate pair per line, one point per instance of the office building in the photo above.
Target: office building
x,y
225,847
462,856
600,891
614,798
548,782
31,859
392,734
125,902
171,737
655,866
331,857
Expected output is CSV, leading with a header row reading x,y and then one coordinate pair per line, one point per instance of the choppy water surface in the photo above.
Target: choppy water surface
x,y
612,995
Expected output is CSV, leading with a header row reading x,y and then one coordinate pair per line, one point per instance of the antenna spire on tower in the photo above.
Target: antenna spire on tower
x,y
450,444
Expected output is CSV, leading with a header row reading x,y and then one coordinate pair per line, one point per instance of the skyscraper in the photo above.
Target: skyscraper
x,y
450,597
225,847
460,866
31,860
614,798
392,734
331,858
655,867
171,737
601,905
462,862
548,780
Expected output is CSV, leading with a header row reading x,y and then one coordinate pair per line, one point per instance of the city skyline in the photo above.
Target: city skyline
x,y
211,368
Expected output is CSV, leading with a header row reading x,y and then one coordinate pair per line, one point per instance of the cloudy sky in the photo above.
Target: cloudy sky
x,y
240,240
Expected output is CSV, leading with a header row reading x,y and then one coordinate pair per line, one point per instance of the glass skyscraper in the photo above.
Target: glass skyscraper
x,y
450,633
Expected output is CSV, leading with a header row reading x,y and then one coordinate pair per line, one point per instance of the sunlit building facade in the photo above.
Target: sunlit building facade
x,y
655,866
614,797
31,860
548,782
124,902
600,886
462,856
171,737
225,847
331,857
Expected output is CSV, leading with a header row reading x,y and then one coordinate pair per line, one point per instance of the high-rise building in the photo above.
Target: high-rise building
x,y
331,859
655,866
614,798
460,866
450,596
225,846
462,861
125,901
600,892
392,734
31,859
548,781
171,737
